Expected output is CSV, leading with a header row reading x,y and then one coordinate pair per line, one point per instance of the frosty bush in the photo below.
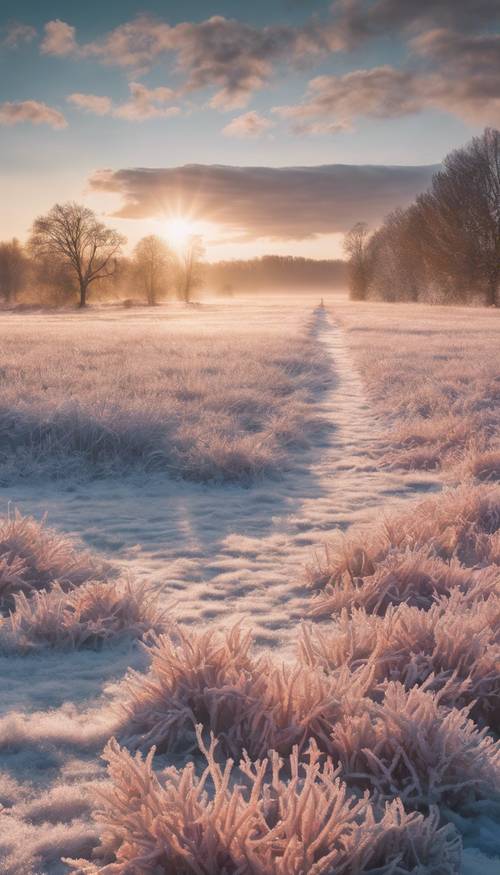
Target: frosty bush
x,y
412,576
455,644
34,557
263,820
413,747
252,704
87,616
413,555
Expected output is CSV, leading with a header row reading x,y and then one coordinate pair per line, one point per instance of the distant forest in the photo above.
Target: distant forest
x,y
275,272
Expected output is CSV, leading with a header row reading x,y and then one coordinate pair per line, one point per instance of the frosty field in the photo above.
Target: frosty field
x,y
296,510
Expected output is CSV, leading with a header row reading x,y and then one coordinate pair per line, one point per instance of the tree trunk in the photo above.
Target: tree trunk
x,y
83,295
492,292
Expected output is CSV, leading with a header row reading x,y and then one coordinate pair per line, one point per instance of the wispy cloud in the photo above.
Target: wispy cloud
x,y
145,103
248,125
358,20
461,76
15,33
228,55
14,113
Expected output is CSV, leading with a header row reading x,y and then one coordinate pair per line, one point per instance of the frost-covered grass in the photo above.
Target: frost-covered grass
x,y
179,392
447,541
267,819
34,557
432,376
53,593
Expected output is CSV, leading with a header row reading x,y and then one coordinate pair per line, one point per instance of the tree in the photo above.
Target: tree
x,y
460,218
356,248
13,268
71,233
152,258
189,267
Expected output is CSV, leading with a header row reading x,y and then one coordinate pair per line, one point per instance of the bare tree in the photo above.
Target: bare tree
x,y
189,264
72,233
356,248
460,219
152,258
13,269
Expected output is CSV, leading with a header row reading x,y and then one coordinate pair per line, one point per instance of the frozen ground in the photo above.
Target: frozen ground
x,y
221,552
214,552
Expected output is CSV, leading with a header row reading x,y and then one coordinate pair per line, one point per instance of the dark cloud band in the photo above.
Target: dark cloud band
x,y
275,202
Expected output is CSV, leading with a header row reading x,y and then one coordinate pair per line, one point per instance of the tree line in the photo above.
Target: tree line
x,y
70,252
445,247
276,272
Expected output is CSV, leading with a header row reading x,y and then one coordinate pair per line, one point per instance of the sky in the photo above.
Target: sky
x,y
267,127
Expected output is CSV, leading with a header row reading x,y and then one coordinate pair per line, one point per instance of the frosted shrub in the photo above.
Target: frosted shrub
x,y
413,747
87,616
456,643
484,466
251,703
258,821
413,554
34,557
195,677
412,577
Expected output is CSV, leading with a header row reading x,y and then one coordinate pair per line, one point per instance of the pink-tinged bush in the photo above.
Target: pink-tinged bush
x,y
413,554
251,703
456,643
413,747
86,616
34,557
257,822
484,466
412,576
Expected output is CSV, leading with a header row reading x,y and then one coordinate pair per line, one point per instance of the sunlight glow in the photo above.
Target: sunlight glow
x,y
178,230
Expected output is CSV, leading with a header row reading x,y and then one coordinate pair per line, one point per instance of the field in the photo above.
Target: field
x,y
265,589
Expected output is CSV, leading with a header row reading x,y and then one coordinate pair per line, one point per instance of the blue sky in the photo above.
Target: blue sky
x,y
284,83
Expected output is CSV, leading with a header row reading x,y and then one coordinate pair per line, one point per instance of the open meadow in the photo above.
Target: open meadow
x,y
257,529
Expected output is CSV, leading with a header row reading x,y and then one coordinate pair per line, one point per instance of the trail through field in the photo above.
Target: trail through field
x,y
226,552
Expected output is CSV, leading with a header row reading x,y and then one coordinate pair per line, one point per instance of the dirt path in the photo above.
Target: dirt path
x,y
228,552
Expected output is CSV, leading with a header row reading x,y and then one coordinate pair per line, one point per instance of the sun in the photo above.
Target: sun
x,y
178,230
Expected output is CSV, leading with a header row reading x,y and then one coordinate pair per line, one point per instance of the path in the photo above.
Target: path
x,y
227,552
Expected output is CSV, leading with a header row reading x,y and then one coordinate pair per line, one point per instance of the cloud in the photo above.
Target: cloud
x,y
250,124
15,33
465,78
283,203
231,56
457,73
31,111
360,19
59,39
92,103
332,102
135,44
145,103
238,58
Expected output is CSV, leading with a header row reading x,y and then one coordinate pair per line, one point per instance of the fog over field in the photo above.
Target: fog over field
x,y
250,438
